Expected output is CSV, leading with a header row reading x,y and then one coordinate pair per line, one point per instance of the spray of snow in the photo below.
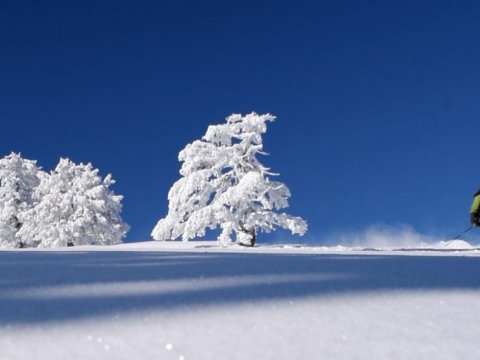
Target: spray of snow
x,y
382,236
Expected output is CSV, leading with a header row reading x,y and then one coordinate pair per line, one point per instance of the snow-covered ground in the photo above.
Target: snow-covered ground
x,y
156,300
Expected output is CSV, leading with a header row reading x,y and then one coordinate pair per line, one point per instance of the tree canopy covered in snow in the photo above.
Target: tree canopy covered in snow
x,y
71,205
74,206
224,185
18,179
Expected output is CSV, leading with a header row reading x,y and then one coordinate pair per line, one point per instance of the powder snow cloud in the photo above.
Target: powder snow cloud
x,y
383,236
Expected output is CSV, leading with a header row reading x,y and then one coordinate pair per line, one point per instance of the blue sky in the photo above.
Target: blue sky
x,y
378,102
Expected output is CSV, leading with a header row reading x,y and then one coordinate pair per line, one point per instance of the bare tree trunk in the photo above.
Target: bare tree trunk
x,y
252,237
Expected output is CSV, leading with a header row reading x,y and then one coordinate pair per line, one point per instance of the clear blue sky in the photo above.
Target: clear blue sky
x,y
378,102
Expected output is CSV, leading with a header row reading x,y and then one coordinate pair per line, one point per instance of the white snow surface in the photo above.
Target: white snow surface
x,y
197,300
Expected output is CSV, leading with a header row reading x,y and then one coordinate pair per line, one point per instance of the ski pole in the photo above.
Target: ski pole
x,y
459,235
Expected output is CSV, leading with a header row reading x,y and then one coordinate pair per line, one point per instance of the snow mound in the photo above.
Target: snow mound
x,y
455,244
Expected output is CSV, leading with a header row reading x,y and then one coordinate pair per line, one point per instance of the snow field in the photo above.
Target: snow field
x,y
358,327
208,303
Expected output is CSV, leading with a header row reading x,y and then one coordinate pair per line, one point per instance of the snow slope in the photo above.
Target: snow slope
x,y
198,301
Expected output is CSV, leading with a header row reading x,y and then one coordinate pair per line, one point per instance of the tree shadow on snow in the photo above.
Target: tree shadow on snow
x,y
38,287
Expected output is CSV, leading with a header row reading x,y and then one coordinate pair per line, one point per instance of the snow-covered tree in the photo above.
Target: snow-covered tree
x,y
224,185
74,207
18,179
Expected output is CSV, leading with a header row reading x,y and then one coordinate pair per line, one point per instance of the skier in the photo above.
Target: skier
x,y
475,210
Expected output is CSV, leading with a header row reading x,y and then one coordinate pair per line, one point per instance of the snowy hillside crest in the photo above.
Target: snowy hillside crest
x,y
224,185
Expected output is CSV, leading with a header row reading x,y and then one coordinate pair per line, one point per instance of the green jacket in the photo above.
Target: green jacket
x,y
475,208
